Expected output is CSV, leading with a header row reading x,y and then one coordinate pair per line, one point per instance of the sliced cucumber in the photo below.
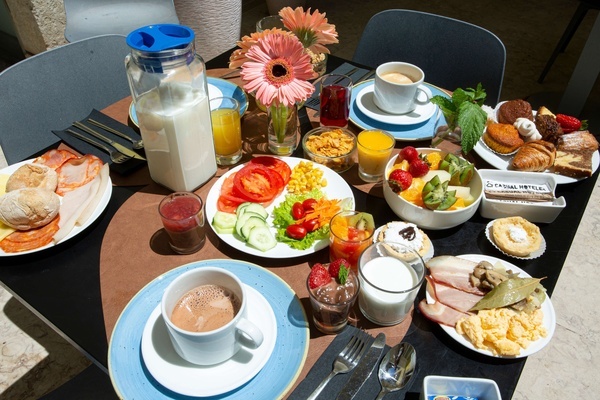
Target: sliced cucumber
x,y
256,208
241,220
251,223
261,238
224,222
241,208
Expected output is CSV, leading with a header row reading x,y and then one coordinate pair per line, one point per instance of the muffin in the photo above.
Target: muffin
x,y
509,111
404,233
516,236
502,138
549,129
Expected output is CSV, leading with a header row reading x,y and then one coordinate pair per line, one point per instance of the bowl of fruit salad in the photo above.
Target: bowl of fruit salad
x,y
431,188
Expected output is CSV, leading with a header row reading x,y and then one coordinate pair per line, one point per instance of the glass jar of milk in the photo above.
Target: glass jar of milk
x,y
170,94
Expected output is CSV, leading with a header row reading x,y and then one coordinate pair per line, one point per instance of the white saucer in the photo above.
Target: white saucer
x,y
182,377
366,104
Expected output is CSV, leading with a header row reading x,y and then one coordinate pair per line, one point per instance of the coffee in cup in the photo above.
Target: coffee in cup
x,y
399,88
205,311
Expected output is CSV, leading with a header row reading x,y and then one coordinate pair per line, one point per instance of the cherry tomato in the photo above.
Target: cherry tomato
x,y
309,204
296,231
297,210
311,224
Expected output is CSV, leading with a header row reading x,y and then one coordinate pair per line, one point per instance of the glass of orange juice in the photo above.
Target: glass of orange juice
x,y
350,233
227,129
374,150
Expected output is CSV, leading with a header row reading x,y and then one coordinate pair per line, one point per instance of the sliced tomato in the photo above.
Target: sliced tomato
x,y
228,201
257,183
276,164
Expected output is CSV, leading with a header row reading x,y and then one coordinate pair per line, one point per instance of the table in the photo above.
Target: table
x,y
63,286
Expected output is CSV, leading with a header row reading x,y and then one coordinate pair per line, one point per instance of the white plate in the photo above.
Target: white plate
x,y
365,103
503,162
77,229
535,254
336,188
182,377
547,309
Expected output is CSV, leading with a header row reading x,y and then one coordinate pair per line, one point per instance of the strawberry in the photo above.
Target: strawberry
x,y
418,168
399,180
409,154
338,269
568,123
318,276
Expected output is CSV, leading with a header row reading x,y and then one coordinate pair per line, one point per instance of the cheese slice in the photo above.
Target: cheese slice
x,y
5,230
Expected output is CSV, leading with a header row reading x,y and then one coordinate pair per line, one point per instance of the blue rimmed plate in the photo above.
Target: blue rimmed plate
x,y
216,88
131,378
421,130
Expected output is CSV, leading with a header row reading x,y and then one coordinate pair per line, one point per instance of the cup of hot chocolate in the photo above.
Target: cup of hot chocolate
x,y
205,313
399,88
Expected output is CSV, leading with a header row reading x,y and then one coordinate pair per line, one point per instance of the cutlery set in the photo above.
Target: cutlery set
x,y
396,368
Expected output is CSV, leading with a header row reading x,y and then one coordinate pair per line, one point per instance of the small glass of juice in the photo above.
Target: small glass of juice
x,y
227,129
182,215
336,91
350,232
374,150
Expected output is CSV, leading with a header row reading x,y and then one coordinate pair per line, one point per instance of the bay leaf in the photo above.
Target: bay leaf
x,y
507,293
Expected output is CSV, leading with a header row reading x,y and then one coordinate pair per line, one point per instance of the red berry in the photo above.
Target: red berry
x,y
409,154
567,123
399,180
418,168
319,276
335,266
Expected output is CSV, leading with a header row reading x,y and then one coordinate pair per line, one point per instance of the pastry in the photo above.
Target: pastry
x,y
535,156
502,138
516,236
546,124
527,129
509,111
32,176
574,154
404,233
28,208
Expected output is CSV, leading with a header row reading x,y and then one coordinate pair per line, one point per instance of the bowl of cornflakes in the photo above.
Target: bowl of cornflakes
x,y
330,146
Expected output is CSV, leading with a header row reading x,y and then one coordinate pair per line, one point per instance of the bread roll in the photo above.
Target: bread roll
x,y
32,176
28,208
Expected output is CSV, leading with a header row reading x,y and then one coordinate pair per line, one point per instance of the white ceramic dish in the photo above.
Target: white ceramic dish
x,y
366,104
336,188
535,254
77,229
182,377
532,211
478,388
547,309
431,219
426,257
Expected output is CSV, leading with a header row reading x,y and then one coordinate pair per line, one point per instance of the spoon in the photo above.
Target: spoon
x,y
396,368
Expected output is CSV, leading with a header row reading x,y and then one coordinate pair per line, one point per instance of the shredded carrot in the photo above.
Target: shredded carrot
x,y
323,211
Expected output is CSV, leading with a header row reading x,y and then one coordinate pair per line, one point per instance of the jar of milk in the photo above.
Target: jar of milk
x,y
170,94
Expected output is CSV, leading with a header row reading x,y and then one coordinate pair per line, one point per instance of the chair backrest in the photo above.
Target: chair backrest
x,y
52,89
452,53
88,18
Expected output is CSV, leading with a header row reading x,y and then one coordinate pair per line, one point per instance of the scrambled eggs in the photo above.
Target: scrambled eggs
x,y
503,331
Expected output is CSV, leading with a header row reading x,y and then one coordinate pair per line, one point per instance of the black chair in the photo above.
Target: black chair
x,y
52,89
452,53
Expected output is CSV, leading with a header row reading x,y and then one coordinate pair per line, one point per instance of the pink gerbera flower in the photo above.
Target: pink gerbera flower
x,y
311,29
277,70
238,57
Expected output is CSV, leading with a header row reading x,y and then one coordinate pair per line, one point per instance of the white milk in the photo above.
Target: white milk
x,y
177,138
391,274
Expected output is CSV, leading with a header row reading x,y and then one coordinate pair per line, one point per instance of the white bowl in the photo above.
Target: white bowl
x,y
431,219
531,211
479,388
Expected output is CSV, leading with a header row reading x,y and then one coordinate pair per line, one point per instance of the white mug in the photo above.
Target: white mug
x,y
395,96
217,345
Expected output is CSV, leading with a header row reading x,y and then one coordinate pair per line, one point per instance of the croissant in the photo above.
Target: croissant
x,y
535,156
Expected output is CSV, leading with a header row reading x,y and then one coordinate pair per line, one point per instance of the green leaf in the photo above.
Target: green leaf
x,y
508,292
343,275
471,119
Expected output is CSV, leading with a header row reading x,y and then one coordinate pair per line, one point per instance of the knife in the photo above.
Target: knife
x,y
114,144
363,370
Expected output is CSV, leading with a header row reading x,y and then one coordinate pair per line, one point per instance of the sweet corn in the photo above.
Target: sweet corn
x,y
305,177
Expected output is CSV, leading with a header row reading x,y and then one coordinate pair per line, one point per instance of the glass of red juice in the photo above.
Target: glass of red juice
x,y
182,215
336,90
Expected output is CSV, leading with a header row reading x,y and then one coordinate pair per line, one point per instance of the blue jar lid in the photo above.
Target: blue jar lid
x,y
154,38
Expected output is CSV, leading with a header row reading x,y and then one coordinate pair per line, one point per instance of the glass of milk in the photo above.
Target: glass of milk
x,y
390,276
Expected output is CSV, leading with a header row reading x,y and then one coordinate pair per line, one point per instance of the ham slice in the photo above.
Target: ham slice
x,y
77,172
451,297
54,158
453,271
440,313
87,213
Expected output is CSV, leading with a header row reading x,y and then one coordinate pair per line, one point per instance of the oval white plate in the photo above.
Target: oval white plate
x,y
182,377
547,309
336,188
77,229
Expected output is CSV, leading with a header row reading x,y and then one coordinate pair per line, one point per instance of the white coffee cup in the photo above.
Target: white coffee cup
x,y
217,345
398,97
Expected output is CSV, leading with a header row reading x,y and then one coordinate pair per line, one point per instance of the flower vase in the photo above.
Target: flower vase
x,y
283,129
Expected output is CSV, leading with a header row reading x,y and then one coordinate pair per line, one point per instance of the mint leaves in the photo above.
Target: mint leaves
x,y
464,110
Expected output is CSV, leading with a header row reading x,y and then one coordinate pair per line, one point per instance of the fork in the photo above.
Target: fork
x,y
346,361
137,144
115,156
